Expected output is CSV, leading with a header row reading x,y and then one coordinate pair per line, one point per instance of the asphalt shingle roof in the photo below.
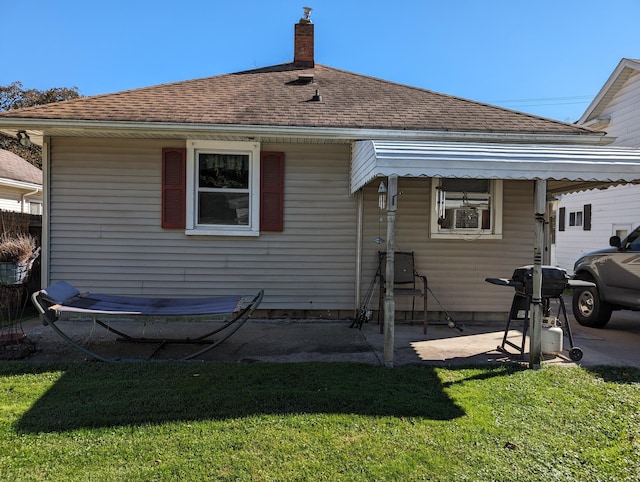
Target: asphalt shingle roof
x,y
17,169
275,96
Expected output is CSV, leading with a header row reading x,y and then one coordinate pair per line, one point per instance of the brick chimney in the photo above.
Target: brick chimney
x,y
303,41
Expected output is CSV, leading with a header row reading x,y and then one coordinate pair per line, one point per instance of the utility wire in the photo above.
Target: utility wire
x,y
578,99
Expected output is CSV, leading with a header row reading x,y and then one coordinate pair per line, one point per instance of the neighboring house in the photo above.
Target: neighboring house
x,y
269,178
20,185
586,220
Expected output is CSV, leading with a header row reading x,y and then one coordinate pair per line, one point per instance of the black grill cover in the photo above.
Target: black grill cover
x,y
554,280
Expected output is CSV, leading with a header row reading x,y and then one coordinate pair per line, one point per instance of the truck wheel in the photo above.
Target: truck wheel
x,y
588,309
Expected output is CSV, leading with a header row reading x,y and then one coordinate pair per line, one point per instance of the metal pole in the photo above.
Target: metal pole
x,y
535,330
389,300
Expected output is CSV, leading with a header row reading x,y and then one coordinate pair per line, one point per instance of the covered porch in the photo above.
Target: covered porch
x,y
552,170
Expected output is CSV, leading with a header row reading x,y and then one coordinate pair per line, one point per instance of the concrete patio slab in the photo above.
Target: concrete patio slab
x,y
330,341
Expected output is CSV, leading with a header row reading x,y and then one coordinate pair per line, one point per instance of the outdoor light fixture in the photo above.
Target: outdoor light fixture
x,y
382,195
23,138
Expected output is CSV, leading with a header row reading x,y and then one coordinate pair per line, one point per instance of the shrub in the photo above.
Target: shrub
x,y
16,248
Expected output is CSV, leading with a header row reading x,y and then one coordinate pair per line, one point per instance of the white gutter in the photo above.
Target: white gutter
x,y
359,238
25,195
187,130
18,184
45,270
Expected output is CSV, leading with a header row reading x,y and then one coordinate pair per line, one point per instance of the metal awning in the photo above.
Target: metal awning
x,y
566,168
555,169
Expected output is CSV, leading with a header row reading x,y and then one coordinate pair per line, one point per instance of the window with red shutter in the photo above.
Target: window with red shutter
x,y
173,188
234,189
272,191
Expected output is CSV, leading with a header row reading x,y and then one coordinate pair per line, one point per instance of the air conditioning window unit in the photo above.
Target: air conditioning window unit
x,y
465,218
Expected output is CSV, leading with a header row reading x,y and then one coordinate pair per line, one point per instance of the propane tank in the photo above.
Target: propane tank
x,y
551,337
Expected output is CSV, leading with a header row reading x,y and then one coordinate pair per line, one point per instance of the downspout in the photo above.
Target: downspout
x,y
24,196
359,237
46,191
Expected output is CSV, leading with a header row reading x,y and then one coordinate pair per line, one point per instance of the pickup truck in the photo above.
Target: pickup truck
x,y
616,274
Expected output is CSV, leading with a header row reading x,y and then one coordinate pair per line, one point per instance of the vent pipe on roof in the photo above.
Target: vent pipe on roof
x,y
317,97
303,41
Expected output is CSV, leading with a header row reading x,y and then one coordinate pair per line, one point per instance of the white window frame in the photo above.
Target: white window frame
x,y
35,207
576,218
495,191
617,228
251,149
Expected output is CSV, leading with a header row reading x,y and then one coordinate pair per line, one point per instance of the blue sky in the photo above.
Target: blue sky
x,y
548,58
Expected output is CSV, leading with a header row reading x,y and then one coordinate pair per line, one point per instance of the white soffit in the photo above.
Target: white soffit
x,y
621,74
586,167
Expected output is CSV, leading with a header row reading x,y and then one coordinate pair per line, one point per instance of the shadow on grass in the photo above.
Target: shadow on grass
x,y
616,374
105,395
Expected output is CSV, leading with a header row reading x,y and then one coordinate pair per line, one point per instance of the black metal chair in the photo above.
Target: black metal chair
x,y
405,283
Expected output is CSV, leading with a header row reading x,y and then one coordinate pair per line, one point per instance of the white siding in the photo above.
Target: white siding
x,y
612,208
624,110
10,199
106,234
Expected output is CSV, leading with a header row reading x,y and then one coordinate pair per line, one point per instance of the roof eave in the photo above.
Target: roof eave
x,y
610,88
30,186
190,130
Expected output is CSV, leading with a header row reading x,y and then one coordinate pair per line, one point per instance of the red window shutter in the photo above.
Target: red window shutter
x,y
173,187
272,191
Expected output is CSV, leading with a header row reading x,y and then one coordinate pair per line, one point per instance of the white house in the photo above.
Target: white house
x,y
20,185
586,220
269,178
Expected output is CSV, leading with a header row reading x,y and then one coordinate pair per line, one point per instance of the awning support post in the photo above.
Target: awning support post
x,y
535,336
389,300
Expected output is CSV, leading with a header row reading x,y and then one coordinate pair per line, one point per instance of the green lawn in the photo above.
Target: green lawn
x,y
317,421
